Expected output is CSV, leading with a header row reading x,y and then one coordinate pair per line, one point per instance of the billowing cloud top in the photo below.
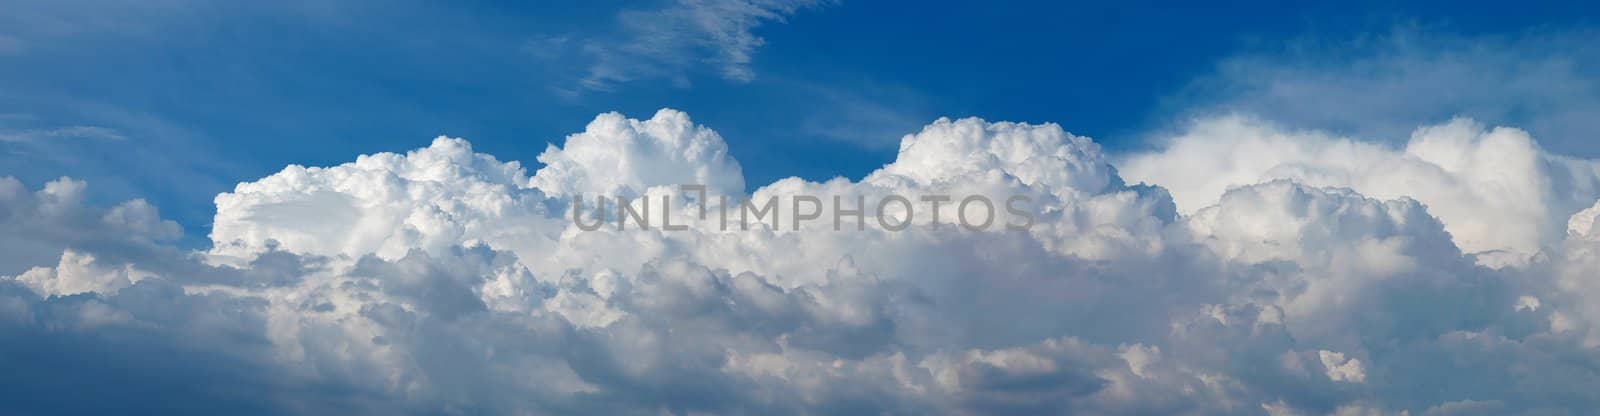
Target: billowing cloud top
x,y
615,155
1495,189
1256,270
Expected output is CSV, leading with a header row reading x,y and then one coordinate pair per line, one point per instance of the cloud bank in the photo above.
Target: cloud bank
x,y
1320,275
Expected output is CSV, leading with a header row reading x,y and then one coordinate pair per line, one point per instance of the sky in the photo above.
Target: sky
x,y
136,96
315,207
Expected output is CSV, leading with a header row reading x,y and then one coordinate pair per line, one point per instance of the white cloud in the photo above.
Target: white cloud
x,y
1341,368
384,204
78,273
615,156
1494,189
1582,224
446,281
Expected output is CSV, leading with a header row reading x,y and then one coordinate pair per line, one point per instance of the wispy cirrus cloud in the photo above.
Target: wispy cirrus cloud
x,y
1381,86
58,133
672,42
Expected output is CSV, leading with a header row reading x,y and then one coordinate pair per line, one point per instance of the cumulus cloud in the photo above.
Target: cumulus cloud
x,y
447,281
615,155
385,204
78,273
1582,224
40,224
1496,189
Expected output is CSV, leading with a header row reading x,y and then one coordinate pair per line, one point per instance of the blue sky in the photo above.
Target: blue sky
x,y
176,101
1355,208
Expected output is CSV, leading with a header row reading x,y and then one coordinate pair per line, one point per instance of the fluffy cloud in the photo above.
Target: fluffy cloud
x,y
1582,224
615,156
447,281
385,204
40,224
1496,191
